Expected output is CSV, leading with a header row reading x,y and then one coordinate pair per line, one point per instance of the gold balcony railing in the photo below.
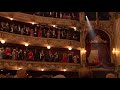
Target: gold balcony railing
x,y
37,65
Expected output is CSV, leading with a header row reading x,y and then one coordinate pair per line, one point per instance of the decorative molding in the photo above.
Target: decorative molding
x,y
40,19
39,41
98,39
32,65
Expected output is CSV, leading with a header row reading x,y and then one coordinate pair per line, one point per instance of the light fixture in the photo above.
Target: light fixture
x,y
2,41
83,51
54,25
1,70
33,23
26,44
19,68
11,19
75,28
64,70
48,47
69,48
42,69
113,51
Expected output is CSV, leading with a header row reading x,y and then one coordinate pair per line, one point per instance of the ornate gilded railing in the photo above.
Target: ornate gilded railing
x,y
38,41
37,65
39,19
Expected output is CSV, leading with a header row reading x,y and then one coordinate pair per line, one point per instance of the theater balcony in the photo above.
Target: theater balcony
x,y
38,66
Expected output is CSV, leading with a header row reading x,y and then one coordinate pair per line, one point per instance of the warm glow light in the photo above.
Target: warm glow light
x,y
64,70
115,51
2,41
83,51
75,28
69,48
33,23
11,19
48,47
26,44
42,69
54,25
19,68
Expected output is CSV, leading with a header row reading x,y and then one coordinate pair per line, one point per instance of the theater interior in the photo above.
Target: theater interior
x,y
59,44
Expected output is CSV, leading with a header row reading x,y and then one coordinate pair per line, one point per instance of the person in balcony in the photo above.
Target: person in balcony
x,y
70,57
56,57
22,31
61,15
25,55
74,36
49,56
42,56
58,34
53,33
16,54
30,55
28,31
1,53
7,28
63,35
40,32
48,34
75,59
20,54
65,58
73,16
36,32
44,31
78,59
13,54
31,32
4,26
64,16
19,29
7,53
1,26
11,28
21,74
37,55
15,29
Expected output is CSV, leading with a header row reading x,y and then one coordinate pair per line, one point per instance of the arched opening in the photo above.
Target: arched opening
x,y
98,49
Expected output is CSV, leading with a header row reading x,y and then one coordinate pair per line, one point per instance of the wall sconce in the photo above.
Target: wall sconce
x,y
2,41
74,28
26,44
64,70
83,51
33,23
54,25
11,19
42,69
48,47
70,48
115,51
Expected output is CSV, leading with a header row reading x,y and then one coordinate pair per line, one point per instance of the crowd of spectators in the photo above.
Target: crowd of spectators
x,y
62,15
35,53
40,30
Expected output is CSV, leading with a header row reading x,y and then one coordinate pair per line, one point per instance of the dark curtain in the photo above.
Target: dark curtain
x,y
103,54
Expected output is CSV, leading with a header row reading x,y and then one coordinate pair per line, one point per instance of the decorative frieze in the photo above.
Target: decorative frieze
x,y
49,66
39,19
38,41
